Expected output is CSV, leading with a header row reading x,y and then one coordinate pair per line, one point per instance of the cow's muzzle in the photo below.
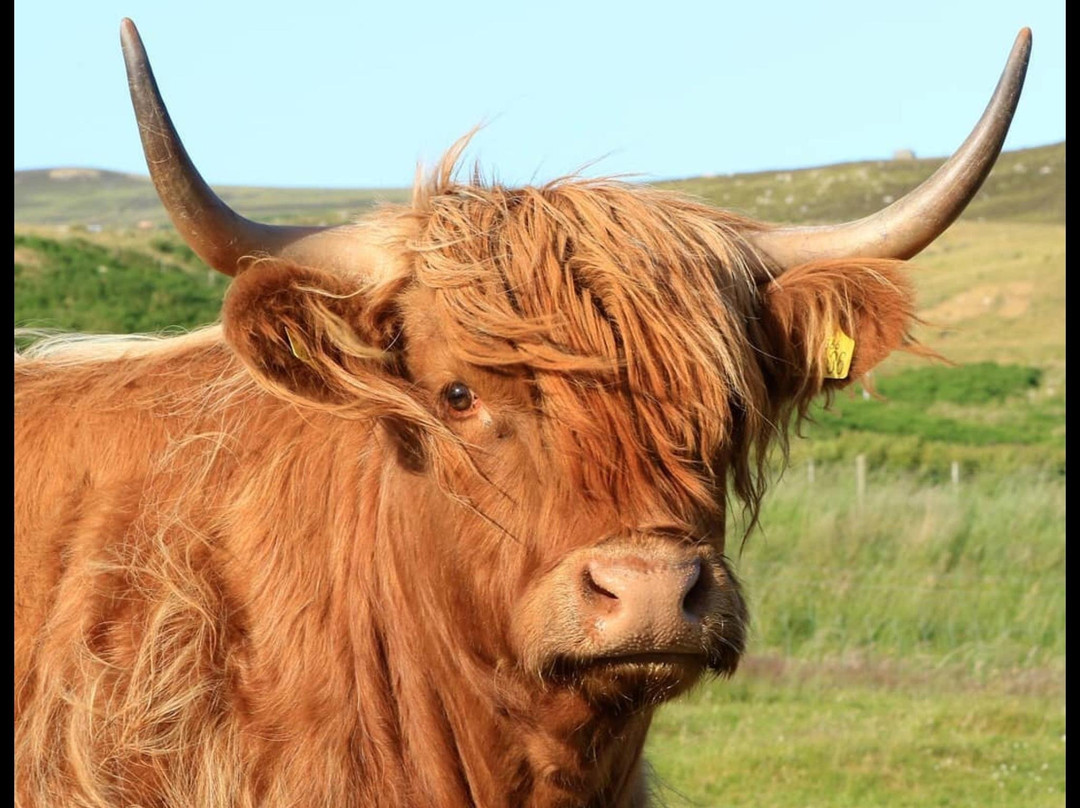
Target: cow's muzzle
x,y
662,610
632,605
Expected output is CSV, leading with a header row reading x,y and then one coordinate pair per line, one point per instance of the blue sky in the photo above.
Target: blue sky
x,y
352,94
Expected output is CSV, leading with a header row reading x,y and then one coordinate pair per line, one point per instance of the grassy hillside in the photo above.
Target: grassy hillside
x,y
94,198
1027,185
97,284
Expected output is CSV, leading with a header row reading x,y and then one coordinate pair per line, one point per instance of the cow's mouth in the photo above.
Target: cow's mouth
x,y
631,681
681,659
568,667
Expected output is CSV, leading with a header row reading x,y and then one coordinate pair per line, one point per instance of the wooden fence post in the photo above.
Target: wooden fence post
x,y
860,479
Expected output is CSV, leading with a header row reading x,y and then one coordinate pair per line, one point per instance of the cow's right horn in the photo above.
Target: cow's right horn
x,y
913,221
222,238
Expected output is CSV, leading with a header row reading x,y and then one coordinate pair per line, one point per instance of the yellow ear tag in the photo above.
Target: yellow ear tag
x,y
838,352
297,348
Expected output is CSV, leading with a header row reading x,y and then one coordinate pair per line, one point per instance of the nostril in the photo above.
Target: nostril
x,y
696,594
594,587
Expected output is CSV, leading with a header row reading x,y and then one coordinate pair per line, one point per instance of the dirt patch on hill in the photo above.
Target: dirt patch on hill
x,y
890,674
74,174
1008,300
26,257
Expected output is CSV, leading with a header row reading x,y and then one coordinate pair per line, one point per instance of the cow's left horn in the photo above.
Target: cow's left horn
x,y
221,237
912,222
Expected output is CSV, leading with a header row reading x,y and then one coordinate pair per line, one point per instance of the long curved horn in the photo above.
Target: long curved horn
x,y
221,237
913,221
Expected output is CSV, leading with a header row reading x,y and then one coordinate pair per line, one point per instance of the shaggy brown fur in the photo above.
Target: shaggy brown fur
x,y
267,564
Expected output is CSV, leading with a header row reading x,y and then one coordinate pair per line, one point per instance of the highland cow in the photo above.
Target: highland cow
x,y
436,515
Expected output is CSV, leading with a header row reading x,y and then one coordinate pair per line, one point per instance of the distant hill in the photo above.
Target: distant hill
x,y
1027,185
93,198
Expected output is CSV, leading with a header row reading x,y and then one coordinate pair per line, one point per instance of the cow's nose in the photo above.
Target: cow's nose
x,y
634,605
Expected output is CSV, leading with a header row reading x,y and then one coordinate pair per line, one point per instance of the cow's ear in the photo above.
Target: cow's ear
x,y
308,333
830,322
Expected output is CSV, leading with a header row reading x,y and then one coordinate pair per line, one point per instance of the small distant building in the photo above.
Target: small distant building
x,y
903,154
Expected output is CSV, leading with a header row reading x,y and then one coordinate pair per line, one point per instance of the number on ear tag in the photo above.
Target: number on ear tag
x,y
838,352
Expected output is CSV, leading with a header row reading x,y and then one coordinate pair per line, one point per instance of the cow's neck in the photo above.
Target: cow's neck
x,y
577,755
502,740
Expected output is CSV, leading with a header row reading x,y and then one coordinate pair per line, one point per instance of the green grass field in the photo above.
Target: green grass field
x,y
908,651
818,739
908,645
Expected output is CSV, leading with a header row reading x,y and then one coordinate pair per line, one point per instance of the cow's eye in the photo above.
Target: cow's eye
x,y
459,397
